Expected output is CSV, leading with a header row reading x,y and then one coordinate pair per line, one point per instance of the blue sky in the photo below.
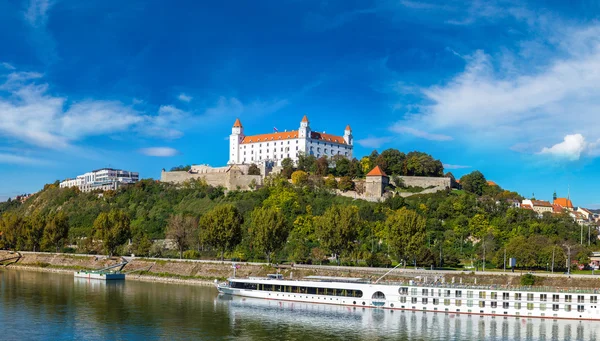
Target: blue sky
x,y
508,88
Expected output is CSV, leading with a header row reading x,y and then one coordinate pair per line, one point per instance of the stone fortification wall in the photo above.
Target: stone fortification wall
x,y
232,179
439,184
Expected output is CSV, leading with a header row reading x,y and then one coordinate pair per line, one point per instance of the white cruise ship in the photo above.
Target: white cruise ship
x,y
554,303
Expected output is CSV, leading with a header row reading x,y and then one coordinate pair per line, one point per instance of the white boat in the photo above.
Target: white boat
x,y
530,302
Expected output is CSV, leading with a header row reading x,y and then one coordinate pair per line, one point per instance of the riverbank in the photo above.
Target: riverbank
x,y
205,272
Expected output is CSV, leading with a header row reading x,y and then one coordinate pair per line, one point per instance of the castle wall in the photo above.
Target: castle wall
x,y
231,180
422,181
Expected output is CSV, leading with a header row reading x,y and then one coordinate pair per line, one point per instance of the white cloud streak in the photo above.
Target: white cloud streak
x,y
450,166
184,98
401,129
374,142
20,160
159,151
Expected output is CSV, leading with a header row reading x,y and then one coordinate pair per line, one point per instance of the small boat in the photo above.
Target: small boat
x,y
104,274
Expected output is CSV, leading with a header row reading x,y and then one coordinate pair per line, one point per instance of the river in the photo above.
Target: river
x,y
50,306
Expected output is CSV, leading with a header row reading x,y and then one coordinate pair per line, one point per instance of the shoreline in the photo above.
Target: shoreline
x,y
141,278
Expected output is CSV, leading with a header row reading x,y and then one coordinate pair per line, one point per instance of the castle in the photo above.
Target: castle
x,y
272,148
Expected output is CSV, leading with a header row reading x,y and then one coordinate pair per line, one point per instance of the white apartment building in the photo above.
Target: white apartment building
x,y
101,179
274,147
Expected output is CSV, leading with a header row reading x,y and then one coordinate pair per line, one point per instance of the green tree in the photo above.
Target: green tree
x,y
288,167
406,233
221,228
345,184
422,164
56,230
11,230
331,182
34,230
113,228
253,170
269,230
473,182
365,164
307,163
342,165
394,161
183,230
300,178
337,229
322,166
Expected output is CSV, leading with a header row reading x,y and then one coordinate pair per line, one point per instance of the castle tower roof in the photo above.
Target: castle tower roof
x,y
377,171
305,119
348,127
237,123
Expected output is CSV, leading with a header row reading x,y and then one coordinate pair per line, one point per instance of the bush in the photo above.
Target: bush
x,y
528,279
191,254
378,260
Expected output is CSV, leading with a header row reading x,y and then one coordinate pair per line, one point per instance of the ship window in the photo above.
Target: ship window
x,y
446,301
469,294
469,303
403,299
580,299
378,295
413,300
494,304
518,305
568,298
518,296
424,292
505,305
482,294
403,291
494,295
424,300
555,307
446,293
580,308
481,304
567,307
505,296
529,306
413,291
458,293
458,303
543,297
593,299
436,301
555,298
530,297
542,306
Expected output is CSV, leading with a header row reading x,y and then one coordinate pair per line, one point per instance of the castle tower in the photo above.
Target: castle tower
x,y
375,183
235,139
348,135
304,131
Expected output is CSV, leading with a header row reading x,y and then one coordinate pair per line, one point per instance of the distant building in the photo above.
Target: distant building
x,y
272,148
101,179
564,203
539,206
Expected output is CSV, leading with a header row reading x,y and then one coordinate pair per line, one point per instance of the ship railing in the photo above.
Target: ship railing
x,y
498,287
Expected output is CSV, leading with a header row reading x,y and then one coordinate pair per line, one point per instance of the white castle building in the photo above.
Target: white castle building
x,y
274,147
102,179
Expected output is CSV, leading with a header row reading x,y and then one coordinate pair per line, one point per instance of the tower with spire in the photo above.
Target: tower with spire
x,y
235,139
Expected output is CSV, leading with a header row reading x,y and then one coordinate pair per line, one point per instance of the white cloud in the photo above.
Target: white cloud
x,y
401,129
450,166
571,148
20,160
159,151
184,98
524,98
374,142
7,66
31,114
37,12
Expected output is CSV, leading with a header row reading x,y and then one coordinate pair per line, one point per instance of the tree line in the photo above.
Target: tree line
x,y
295,222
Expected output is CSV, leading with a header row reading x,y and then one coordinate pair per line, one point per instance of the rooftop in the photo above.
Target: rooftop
x,y
377,171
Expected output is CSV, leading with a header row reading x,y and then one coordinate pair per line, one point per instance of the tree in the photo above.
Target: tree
x,y
394,161
306,163
473,182
34,230
331,182
222,228
422,164
183,231
342,165
288,167
253,170
322,166
365,164
269,230
181,168
56,231
345,184
406,232
299,178
337,229
113,228
11,230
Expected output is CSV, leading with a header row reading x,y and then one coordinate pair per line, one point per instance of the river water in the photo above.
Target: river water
x,y
49,306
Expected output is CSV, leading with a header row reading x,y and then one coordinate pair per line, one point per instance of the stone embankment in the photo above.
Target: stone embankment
x,y
204,272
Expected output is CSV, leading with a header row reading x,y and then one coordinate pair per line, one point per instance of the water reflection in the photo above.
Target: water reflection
x,y
44,306
345,322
